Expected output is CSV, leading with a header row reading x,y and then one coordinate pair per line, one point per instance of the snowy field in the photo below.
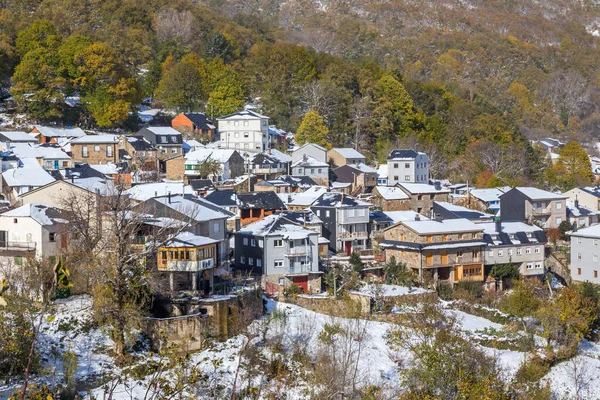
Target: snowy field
x,y
68,327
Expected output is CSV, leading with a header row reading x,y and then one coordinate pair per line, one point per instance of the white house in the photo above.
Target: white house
x,y
315,169
231,162
315,151
28,176
407,166
245,131
585,255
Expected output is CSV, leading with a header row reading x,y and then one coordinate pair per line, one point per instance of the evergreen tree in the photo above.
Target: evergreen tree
x,y
182,86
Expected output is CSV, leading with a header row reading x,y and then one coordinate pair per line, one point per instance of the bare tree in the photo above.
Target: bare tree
x,y
578,371
175,25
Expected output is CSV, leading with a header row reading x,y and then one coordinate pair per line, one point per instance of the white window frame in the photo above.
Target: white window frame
x,y
245,241
253,242
243,260
276,262
250,261
528,250
278,243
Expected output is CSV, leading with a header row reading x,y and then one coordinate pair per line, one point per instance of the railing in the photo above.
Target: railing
x,y
346,235
19,246
273,170
186,265
297,251
299,270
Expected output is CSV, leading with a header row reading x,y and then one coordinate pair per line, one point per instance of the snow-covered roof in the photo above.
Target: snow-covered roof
x,y
489,195
305,198
194,208
415,188
163,130
333,199
539,194
443,226
341,185
147,191
106,169
191,143
30,174
347,152
591,232
365,168
408,215
579,210
310,162
101,186
462,212
45,151
43,214
392,193
17,136
311,144
396,155
188,239
277,224
245,114
509,227
93,139
49,131
201,155
282,157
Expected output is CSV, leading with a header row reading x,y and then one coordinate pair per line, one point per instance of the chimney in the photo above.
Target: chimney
x,y
169,197
417,217
289,198
576,202
155,194
72,178
438,217
438,185
574,227
498,224
269,151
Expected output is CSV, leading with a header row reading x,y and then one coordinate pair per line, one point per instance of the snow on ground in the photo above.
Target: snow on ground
x,y
389,290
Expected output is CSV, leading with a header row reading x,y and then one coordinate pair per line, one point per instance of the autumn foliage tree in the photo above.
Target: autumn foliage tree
x,y
313,130
573,167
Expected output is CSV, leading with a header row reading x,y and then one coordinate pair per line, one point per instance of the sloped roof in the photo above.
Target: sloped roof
x,y
538,194
93,139
277,224
488,195
30,173
347,152
200,120
138,142
201,184
16,137
163,130
264,200
443,226
310,162
188,239
244,114
49,131
416,188
223,198
147,191
193,207
201,155
43,214
391,193
402,154
332,199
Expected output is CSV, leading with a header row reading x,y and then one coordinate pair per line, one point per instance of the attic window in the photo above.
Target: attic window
x,y
15,220
173,139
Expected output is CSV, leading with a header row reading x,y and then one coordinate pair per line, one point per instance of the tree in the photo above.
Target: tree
x,y
227,89
41,33
523,301
182,86
573,167
312,129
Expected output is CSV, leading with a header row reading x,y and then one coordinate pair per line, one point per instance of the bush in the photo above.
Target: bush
x,y
533,370
444,291
467,289
292,290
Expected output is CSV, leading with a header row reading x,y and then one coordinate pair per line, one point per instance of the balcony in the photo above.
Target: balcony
x,y
353,235
274,170
17,246
186,265
298,251
304,269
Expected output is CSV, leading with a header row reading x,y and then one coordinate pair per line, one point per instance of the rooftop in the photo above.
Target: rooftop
x,y
444,226
277,224
403,154
49,131
347,152
202,155
188,239
43,214
147,191
333,199
310,162
539,194
16,136
93,139
416,188
392,193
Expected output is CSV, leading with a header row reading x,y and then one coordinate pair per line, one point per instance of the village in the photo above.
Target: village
x,y
228,215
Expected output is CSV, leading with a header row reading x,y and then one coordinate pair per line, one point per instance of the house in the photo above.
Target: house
x,y
391,198
226,199
202,186
266,166
57,193
585,253
168,142
255,206
380,220
550,145
49,155
143,155
361,176
145,191
199,217
191,145
315,151
407,166
422,195
344,156
187,263
195,124
35,231
515,243
316,170
119,173
95,149
345,221
580,216
382,175
277,137
535,206
282,251
29,175
174,168
303,200
487,200
230,163
587,196
246,131
285,184
7,138
438,250
47,134
452,211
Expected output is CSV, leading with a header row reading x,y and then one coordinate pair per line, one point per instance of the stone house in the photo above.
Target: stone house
x,y
142,154
175,168
360,176
391,198
345,156
535,206
440,250
422,196
167,141
95,149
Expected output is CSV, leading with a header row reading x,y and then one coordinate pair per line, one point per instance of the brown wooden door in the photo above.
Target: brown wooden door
x,y
429,258
457,271
444,258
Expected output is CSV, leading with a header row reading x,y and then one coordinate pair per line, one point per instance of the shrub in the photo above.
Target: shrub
x,y
444,291
534,369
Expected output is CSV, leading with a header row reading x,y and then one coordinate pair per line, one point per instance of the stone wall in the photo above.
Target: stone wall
x,y
219,317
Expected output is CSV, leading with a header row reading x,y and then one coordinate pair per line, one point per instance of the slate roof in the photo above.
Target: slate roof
x,y
347,152
43,214
402,154
512,233
300,181
539,194
200,120
223,198
396,244
593,190
277,224
332,199
264,200
16,136
139,143
201,184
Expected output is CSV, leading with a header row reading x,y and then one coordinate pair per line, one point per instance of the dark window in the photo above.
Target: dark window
x,y
52,237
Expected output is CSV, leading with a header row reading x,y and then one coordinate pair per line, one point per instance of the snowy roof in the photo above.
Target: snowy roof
x,y
365,168
95,184
44,151
539,194
41,213
579,211
93,139
382,171
245,114
310,162
509,227
147,191
311,144
391,193
333,199
193,207
415,188
341,185
277,224
188,239
201,155
58,132
30,174
192,143
106,169
388,290
267,200
347,152
16,136
403,154
443,226
394,244
282,157
592,232
409,215
488,195
460,211
305,198
163,130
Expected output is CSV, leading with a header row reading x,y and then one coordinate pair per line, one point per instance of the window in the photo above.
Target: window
x,y
578,271
538,265
579,256
312,170
278,243
360,212
96,148
558,220
84,151
15,220
537,250
236,135
253,242
327,213
52,237
459,253
529,265
510,252
558,206
142,154
245,241
109,151
500,253
579,241
406,165
246,135
281,281
320,170
246,123
395,177
396,166
595,258
258,262
163,151
278,263
260,243
491,253
243,260
318,213
519,251
528,250
174,150
351,212
250,261
246,145
217,227
407,178
304,263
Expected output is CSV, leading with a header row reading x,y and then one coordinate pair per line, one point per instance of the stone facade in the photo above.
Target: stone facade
x,y
175,168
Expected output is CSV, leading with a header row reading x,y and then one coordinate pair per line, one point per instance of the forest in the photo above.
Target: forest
x,y
470,83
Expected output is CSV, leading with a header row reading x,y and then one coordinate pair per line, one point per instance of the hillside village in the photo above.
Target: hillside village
x,y
230,219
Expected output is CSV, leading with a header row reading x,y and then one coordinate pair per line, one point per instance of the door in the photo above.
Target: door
x,y
55,164
457,271
444,258
429,259
3,238
302,282
348,247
